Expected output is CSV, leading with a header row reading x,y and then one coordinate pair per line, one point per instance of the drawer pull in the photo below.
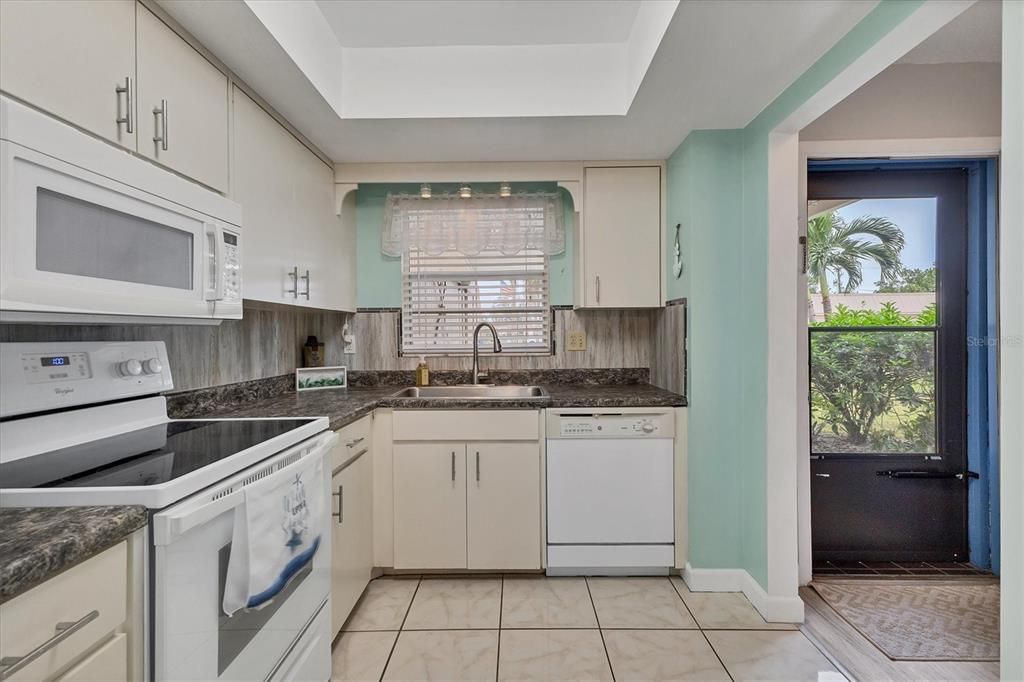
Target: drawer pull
x,y
341,504
12,664
355,442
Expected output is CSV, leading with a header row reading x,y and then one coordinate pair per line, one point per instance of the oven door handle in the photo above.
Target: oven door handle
x,y
171,524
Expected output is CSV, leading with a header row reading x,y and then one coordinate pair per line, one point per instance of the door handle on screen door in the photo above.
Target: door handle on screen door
x,y
910,473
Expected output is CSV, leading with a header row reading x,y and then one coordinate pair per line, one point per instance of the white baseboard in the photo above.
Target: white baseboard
x,y
774,609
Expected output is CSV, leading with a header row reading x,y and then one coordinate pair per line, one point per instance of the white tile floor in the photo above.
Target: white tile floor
x,y
537,628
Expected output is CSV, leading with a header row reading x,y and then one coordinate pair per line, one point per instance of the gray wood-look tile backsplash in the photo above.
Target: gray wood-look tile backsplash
x,y
268,342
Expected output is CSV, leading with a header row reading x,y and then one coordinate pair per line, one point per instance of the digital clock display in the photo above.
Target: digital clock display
x,y
55,361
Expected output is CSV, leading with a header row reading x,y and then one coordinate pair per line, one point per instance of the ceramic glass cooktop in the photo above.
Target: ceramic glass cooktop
x,y
149,456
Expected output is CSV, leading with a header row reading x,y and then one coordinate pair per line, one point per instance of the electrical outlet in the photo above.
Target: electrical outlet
x,y
576,340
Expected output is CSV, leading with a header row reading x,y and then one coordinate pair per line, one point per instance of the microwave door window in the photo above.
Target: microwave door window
x,y
75,237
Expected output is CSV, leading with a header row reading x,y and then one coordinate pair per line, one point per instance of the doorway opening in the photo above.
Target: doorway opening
x,y
903,456
901,461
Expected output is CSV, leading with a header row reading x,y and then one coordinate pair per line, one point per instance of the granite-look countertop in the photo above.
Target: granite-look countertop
x,y
37,543
346,406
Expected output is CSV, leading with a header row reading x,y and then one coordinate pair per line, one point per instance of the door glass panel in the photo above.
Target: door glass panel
x,y
872,309
872,391
76,237
872,262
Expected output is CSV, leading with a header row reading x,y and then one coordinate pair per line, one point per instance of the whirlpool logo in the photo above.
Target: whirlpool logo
x,y
63,391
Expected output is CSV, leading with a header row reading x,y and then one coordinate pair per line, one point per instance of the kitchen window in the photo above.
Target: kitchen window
x,y
445,296
467,260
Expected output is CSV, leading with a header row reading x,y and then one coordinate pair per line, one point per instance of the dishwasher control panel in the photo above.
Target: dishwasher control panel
x,y
614,426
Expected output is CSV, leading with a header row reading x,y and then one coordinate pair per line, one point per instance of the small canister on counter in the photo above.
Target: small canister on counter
x,y
312,353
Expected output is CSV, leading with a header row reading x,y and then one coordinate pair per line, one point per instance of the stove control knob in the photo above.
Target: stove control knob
x,y
152,366
647,427
129,368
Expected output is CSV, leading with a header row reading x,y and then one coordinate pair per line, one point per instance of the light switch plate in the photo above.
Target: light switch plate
x,y
576,340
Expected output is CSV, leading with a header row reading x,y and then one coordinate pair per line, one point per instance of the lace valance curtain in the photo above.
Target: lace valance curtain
x,y
486,222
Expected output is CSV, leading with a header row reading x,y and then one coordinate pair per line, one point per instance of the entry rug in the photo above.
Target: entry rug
x,y
920,620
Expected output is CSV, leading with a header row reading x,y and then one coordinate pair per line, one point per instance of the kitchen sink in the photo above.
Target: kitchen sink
x,y
472,391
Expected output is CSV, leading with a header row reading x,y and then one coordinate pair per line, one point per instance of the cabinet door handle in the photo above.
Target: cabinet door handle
x,y
477,466
129,126
12,664
294,274
306,292
453,466
354,442
597,282
161,112
341,504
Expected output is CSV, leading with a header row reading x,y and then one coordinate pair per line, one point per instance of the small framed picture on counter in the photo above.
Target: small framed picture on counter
x,y
320,378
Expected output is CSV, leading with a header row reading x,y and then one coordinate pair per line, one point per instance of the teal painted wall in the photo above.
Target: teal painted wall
x,y
379,277
718,189
704,195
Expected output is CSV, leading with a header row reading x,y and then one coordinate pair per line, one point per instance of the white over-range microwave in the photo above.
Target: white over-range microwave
x,y
91,233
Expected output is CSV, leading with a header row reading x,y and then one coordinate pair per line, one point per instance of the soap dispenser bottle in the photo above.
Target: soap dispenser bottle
x,y
422,373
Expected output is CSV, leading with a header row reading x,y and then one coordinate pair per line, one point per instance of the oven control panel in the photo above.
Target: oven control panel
x,y
35,377
653,425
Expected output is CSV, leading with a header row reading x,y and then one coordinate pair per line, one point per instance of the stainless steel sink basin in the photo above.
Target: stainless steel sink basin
x,y
475,392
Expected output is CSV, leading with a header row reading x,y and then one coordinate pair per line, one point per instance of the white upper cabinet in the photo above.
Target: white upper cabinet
x,y
105,66
263,186
322,253
70,59
182,103
620,238
294,241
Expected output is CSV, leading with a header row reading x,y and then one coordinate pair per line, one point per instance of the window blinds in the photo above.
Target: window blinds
x,y
445,296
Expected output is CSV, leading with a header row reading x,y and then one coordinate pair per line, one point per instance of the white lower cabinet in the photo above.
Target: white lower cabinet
x,y
90,599
503,503
351,530
467,505
430,505
103,665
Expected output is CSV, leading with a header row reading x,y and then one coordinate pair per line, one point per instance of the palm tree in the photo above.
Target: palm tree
x,y
839,248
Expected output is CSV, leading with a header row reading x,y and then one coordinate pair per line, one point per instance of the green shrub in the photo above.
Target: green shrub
x,y
875,388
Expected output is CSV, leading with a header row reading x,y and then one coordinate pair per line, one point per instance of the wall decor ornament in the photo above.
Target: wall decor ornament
x,y
677,254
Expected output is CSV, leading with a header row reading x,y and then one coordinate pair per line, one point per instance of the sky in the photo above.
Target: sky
x,y
916,217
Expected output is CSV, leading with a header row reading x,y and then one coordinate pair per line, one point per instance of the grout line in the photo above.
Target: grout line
x,y
600,631
685,605
700,628
401,627
501,608
715,652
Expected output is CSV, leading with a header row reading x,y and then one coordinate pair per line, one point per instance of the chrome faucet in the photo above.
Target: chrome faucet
x,y
476,348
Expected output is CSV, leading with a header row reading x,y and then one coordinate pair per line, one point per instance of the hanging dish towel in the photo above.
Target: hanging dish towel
x,y
277,532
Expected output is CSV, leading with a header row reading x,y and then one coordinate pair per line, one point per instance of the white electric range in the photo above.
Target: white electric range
x,y
82,424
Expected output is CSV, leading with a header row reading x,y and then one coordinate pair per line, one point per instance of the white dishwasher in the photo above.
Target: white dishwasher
x,y
610,492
